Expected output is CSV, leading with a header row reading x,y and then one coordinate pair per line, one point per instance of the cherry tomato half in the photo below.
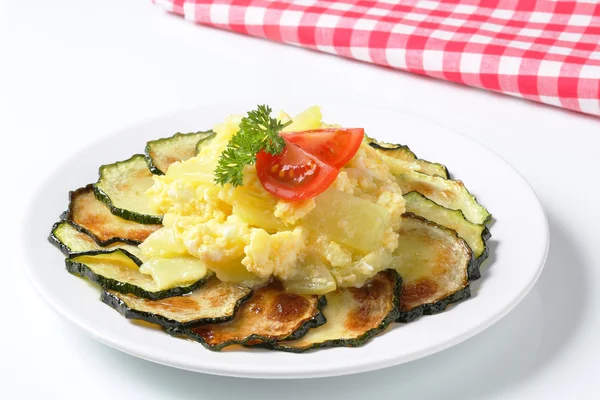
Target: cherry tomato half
x,y
294,174
333,146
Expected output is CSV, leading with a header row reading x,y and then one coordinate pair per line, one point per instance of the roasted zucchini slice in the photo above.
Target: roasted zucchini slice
x,y
433,263
71,241
92,217
354,315
474,234
117,270
447,193
204,141
161,153
213,302
271,314
404,153
122,187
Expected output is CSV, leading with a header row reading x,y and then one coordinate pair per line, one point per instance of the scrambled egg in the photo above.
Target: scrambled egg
x,y
248,236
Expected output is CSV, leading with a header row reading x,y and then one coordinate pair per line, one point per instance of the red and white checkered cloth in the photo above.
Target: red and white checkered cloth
x,y
542,50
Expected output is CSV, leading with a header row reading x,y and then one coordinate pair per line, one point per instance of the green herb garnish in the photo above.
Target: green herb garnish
x,y
258,131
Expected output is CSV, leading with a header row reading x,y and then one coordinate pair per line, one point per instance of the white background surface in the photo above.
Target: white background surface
x,y
71,71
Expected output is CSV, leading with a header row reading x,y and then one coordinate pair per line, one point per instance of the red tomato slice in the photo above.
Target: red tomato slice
x,y
333,146
294,174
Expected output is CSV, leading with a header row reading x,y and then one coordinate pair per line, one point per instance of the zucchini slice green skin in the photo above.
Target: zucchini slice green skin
x,y
174,312
90,216
409,155
296,320
445,192
475,267
83,270
87,242
403,152
105,188
386,288
54,240
476,235
434,308
446,283
161,153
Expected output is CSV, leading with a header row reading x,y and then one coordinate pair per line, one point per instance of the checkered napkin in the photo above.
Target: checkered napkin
x,y
547,51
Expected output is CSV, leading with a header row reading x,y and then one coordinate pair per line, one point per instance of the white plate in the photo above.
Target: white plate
x,y
518,251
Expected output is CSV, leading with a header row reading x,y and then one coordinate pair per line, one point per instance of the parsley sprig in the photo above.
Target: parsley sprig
x,y
258,131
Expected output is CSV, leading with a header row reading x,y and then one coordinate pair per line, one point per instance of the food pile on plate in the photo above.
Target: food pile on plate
x,y
285,233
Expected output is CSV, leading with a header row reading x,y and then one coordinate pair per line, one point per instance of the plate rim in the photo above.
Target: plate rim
x,y
165,359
